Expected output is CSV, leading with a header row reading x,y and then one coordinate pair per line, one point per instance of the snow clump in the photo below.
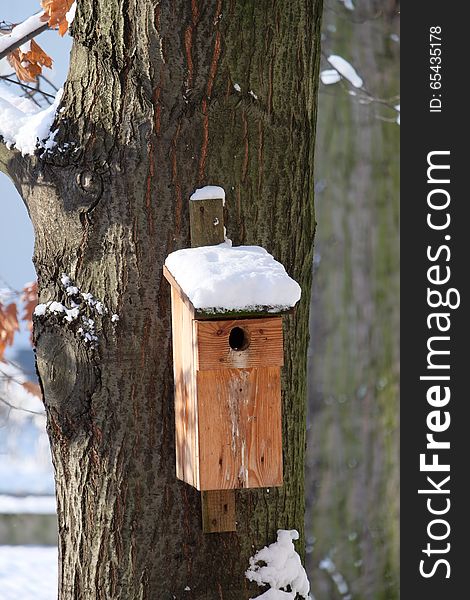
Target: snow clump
x,y
346,70
83,306
220,278
282,569
24,125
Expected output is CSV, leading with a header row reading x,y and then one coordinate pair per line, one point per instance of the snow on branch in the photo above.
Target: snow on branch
x,y
22,33
25,126
345,69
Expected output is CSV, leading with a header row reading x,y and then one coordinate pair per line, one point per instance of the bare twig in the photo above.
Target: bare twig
x,y
363,95
49,82
13,407
27,87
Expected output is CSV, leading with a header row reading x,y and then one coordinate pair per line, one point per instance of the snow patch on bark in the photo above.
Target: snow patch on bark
x,y
70,14
282,569
83,306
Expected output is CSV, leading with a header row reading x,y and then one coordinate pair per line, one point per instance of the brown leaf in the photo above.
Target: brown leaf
x,y
29,297
55,11
28,65
23,71
37,55
32,388
8,326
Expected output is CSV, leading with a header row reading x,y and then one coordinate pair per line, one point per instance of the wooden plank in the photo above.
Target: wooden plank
x,y
187,454
207,228
216,344
218,511
239,420
206,218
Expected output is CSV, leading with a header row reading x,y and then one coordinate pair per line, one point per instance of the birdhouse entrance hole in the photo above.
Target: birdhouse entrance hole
x,y
238,339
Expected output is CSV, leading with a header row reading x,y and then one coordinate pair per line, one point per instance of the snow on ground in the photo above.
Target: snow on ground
x,y
222,278
28,573
23,126
21,505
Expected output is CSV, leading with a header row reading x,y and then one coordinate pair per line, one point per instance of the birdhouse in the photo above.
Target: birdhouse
x,y
227,306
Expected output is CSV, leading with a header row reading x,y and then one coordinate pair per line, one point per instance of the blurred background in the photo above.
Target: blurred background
x,y
352,470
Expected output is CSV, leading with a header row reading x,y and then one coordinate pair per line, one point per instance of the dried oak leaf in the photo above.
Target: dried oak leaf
x,y
54,13
28,65
29,297
8,326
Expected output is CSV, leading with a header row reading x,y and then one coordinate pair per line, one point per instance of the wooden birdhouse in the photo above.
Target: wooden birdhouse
x,y
227,305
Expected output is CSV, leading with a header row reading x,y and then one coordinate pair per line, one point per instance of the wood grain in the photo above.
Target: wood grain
x,y
187,468
218,511
264,339
239,417
206,219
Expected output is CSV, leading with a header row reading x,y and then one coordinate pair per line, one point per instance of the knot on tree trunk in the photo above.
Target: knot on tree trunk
x,y
68,378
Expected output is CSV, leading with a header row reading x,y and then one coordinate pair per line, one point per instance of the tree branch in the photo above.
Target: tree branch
x,y
29,29
6,155
14,165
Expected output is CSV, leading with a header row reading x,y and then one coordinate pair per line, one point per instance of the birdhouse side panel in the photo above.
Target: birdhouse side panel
x,y
187,460
240,433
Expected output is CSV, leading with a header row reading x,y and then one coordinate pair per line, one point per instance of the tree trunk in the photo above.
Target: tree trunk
x,y
149,113
353,459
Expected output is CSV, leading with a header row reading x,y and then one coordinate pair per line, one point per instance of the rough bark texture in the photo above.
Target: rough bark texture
x,y
353,462
149,113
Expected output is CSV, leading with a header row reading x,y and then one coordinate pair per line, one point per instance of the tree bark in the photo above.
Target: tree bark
x,y
149,113
353,459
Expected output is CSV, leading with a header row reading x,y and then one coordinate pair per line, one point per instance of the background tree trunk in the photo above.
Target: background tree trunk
x,y
150,112
353,470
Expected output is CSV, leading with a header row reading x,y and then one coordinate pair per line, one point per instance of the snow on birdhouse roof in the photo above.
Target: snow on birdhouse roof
x,y
224,278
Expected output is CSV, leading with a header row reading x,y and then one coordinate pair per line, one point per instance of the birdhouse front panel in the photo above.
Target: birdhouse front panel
x,y
239,402
239,343
240,437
